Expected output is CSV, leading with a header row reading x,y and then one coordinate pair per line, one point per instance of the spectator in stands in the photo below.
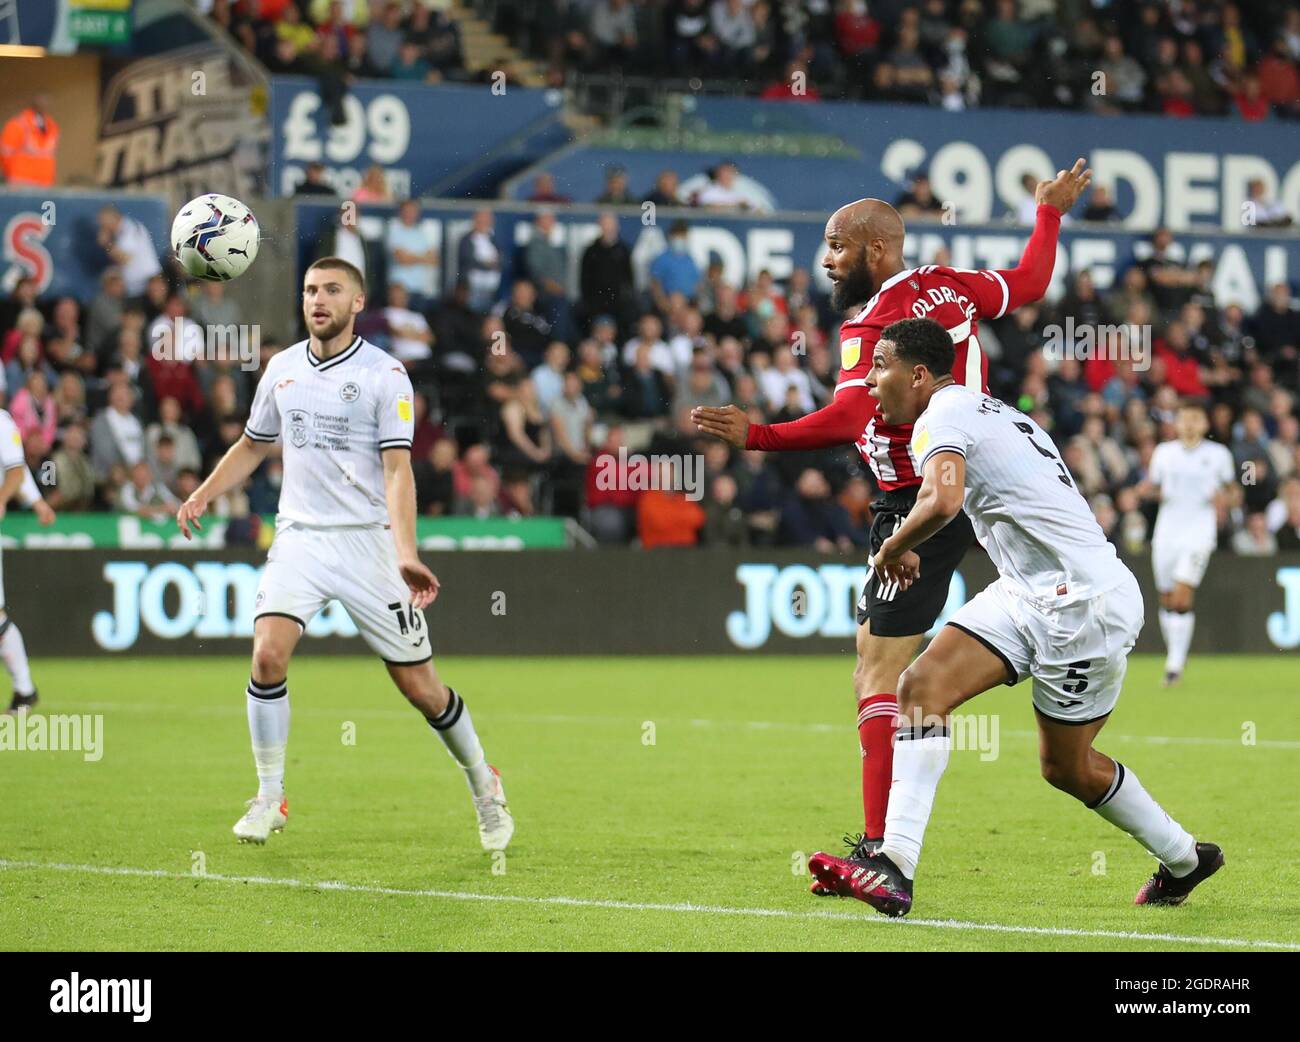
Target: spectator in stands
x,y
1123,80
1100,206
104,314
674,270
170,424
29,145
544,190
413,260
130,247
664,192
527,327
314,181
74,477
571,423
410,340
919,199
546,266
212,307
647,391
692,43
116,436
733,27
665,516
610,501
616,192
1264,212
33,410
1254,539
479,262
722,191
373,188
548,378
811,518
434,484
612,32
411,64
606,282
384,36
649,337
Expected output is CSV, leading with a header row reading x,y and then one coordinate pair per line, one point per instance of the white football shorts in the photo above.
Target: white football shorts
x,y
1179,561
357,566
1077,654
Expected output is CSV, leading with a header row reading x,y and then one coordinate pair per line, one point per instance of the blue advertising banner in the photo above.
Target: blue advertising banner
x,y
1184,173
1244,265
51,236
429,139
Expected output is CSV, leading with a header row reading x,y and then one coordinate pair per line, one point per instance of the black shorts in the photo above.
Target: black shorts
x,y
904,613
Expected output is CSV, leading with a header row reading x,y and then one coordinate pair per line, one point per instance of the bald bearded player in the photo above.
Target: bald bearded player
x,y
864,261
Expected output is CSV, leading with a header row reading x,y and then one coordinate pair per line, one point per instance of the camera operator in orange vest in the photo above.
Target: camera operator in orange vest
x,y
28,144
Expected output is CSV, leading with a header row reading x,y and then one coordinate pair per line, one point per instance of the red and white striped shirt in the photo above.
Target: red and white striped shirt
x,y
953,297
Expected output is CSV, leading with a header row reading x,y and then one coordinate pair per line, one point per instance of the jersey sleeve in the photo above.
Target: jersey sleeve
x,y
855,362
1028,280
396,410
1156,471
11,444
988,288
939,431
264,417
28,494
1227,467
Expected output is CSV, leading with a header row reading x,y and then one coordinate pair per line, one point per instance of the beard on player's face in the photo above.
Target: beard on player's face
x,y
854,287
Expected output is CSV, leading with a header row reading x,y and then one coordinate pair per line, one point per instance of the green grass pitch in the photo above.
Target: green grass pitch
x,y
661,804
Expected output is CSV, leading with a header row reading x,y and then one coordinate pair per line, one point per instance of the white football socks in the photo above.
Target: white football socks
x,y
268,726
919,763
456,730
1177,629
14,653
1128,806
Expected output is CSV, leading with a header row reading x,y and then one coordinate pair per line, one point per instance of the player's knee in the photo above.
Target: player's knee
x,y
920,689
269,662
1068,775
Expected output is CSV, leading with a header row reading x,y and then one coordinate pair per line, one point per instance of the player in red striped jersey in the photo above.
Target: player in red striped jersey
x,y
864,261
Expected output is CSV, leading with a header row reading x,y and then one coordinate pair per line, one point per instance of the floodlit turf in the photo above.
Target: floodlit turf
x,y
654,783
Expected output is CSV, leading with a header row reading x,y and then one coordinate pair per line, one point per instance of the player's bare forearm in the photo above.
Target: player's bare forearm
x,y
399,492
13,481
240,460
938,501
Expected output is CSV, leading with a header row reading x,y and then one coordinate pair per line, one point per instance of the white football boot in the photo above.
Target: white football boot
x,y
495,824
265,814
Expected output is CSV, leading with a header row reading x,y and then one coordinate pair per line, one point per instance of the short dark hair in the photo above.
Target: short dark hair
x,y
922,341
339,264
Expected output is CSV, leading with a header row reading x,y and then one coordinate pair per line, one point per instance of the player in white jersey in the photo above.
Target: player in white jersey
x,y
1189,475
345,530
19,484
1064,611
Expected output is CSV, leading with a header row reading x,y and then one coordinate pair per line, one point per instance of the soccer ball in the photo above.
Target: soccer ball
x,y
215,237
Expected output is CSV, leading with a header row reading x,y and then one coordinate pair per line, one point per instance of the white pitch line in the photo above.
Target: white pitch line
x,y
605,721
642,906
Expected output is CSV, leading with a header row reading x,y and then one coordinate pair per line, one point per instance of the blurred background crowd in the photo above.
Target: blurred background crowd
x,y
526,395
1176,57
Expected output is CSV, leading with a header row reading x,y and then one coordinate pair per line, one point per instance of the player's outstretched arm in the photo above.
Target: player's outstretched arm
x,y
13,481
240,460
943,489
399,492
839,423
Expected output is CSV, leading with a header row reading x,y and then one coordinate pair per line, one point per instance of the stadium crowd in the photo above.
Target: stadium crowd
x,y
1173,57
530,398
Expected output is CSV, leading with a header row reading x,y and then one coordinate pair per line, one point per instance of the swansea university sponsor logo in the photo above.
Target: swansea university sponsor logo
x,y
208,600
72,994
800,601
